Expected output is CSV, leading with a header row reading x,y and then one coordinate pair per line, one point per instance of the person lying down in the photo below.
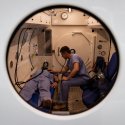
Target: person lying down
x,y
42,81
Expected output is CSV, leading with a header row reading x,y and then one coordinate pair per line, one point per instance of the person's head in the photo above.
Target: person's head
x,y
65,52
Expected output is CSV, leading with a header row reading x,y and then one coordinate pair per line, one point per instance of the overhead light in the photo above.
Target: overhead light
x,y
70,10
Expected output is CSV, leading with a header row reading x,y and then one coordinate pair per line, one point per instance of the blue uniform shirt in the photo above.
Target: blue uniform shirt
x,y
83,71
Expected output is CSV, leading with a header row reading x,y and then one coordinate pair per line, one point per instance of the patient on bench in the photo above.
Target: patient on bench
x,y
41,81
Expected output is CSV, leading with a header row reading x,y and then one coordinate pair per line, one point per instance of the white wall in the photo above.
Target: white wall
x,y
80,38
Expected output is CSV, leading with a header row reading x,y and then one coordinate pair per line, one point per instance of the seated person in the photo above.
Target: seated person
x,y
77,76
41,80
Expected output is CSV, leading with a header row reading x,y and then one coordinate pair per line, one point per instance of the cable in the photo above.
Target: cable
x,y
44,67
60,80
45,64
61,71
63,66
57,60
29,49
18,53
109,50
22,82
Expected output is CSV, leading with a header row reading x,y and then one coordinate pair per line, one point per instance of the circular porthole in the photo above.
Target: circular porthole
x,y
62,60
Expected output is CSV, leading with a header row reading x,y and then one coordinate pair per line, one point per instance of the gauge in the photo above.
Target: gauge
x,y
64,15
99,46
103,53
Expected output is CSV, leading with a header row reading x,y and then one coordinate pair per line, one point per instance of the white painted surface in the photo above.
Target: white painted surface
x,y
14,111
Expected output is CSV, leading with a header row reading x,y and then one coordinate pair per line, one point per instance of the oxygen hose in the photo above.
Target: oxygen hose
x,y
18,83
60,80
44,67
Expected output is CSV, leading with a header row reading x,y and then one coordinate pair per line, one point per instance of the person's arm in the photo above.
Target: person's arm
x,y
73,72
55,83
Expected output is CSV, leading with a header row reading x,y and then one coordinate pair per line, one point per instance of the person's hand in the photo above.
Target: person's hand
x,y
65,78
54,85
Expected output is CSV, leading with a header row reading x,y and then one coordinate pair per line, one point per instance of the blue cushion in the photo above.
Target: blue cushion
x,y
92,95
112,67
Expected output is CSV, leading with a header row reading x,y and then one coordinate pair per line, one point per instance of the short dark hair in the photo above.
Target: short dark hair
x,y
65,49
